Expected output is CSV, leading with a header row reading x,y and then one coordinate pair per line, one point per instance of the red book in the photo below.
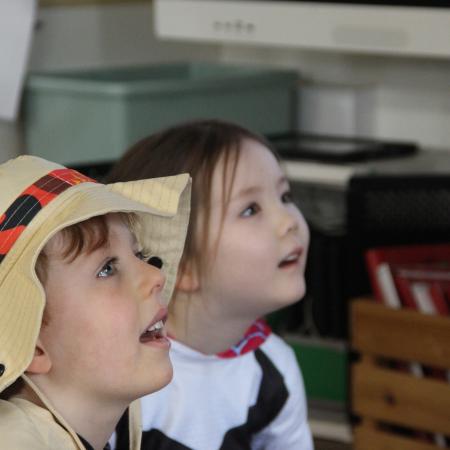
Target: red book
x,y
423,286
403,285
431,271
446,289
381,261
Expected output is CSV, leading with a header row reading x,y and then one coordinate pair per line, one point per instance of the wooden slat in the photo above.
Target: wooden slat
x,y
365,438
400,398
403,334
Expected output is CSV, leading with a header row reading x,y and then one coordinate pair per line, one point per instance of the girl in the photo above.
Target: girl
x,y
236,385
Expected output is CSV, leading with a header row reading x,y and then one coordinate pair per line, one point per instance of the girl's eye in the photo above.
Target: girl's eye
x,y
287,197
250,210
108,269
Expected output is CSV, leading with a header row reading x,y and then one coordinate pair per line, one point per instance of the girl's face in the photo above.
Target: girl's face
x,y
262,242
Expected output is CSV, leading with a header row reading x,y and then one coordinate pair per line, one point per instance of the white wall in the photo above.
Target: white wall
x,y
92,36
385,97
96,36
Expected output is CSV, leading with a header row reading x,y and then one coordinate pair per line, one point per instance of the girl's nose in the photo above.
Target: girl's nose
x,y
288,222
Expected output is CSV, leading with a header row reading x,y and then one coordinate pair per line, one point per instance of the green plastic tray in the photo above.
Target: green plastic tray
x,y
79,117
324,366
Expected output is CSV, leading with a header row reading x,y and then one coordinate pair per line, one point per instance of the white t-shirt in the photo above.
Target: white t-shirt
x,y
250,397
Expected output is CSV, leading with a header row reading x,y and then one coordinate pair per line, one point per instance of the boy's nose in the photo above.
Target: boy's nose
x,y
153,279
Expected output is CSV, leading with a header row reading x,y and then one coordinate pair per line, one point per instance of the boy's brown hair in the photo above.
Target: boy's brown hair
x,y
88,236
194,147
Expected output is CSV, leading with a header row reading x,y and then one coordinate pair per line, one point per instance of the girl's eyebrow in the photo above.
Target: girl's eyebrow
x,y
246,191
256,189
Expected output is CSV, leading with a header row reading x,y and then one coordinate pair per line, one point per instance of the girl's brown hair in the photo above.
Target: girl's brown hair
x,y
196,148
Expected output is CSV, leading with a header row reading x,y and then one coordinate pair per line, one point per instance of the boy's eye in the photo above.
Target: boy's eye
x,y
287,197
108,269
251,210
141,255
155,261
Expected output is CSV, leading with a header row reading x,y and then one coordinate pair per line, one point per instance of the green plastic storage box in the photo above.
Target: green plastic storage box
x,y
81,117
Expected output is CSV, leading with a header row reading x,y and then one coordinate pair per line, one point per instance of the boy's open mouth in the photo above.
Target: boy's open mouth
x,y
155,332
155,329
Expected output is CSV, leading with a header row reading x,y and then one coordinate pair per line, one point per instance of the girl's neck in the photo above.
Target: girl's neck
x,y
202,327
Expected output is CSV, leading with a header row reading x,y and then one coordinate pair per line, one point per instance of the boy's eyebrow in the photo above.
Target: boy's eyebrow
x,y
133,238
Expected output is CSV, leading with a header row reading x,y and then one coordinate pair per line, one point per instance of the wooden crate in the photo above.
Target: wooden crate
x,y
381,395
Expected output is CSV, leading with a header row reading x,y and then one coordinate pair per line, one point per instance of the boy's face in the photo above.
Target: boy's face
x,y
263,244
100,306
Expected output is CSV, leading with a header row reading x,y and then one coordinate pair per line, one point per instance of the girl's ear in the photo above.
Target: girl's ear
x,y
41,362
187,279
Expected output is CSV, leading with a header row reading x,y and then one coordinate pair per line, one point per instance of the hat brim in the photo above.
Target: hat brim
x,y
162,206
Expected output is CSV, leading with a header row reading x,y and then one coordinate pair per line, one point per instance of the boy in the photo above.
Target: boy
x,y
81,311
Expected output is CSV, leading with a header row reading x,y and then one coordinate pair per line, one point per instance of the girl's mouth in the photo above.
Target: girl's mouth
x,y
290,260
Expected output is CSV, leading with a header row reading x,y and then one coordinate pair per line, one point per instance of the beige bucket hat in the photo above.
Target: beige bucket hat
x,y
37,199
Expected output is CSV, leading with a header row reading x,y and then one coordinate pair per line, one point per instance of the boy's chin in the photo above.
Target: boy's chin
x,y
158,378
